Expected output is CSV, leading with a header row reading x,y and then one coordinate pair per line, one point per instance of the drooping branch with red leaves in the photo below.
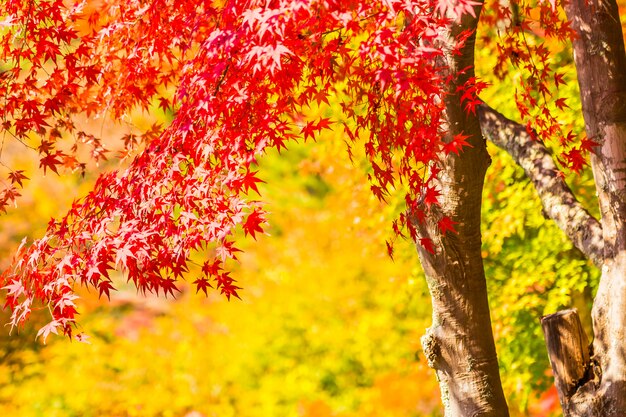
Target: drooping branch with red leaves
x,y
243,74
238,77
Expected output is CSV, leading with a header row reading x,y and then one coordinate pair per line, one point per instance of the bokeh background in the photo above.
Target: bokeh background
x,y
327,325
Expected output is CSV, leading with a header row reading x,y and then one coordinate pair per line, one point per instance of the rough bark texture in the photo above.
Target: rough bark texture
x,y
459,345
601,65
568,349
559,203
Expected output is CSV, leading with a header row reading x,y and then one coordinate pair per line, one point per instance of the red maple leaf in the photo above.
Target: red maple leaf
x,y
250,180
50,161
202,284
17,177
457,143
560,103
446,224
51,327
427,244
431,196
558,79
253,223
588,145
575,159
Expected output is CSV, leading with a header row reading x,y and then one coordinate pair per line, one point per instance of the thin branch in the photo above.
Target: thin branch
x,y
559,203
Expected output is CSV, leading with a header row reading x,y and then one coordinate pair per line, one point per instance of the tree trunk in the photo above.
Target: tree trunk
x,y
601,65
459,345
568,349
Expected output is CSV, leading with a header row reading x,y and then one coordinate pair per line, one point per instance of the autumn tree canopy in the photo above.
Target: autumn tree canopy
x,y
237,77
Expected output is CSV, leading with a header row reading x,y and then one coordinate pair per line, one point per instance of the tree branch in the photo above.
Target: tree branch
x,y
558,201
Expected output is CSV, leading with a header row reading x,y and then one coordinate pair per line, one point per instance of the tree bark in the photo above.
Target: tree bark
x,y
459,345
568,349
601,66
559,203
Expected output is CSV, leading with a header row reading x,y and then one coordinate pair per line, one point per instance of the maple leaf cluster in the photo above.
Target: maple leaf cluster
x,y
522,28
239,76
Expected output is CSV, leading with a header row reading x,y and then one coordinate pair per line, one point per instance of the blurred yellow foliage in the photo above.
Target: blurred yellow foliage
x,y
328,325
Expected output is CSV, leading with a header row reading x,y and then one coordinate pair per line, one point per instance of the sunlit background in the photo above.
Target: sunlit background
x,y
327,325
